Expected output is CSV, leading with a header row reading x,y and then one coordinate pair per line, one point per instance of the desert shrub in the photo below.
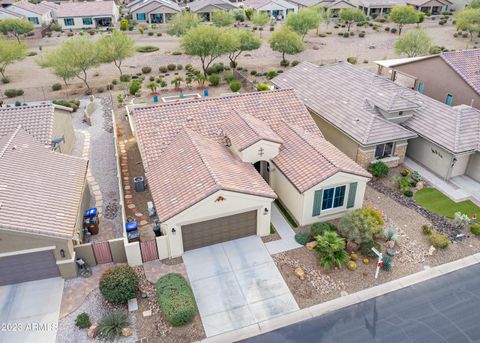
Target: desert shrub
x,y
171,67
123,25
390,233
366,260
146,70
83,321
295,63
378,169
176,299
331,250
163,69
403,182
387,263
262,87
322,35
361,34
408,194
346,35
320,228
118,284
235,86
426,229
284,63
387,28
179,66
366,248
351,265
18,103
100,90
134,87
73,104
271,74
110,87
218,68
125,78
361,225
253,72
228,77
438,240
147,48
12,93
5,80
214,80
302,237
151,33
352,60
475,229
56,87
111,325
465,35
405,172
393,30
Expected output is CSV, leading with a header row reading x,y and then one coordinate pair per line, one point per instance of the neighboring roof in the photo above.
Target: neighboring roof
x,y
142,3
306,3
466,64
260,3
421,2
37,120
28,6
13,14
40,190
172,136
344,94
194,167
374,3
328,4
340,93
197,5
244,130
50,5
399,61
88,8
307,159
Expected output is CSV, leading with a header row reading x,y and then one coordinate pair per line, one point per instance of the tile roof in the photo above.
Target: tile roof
x,y
344,94
193,167
50,4
199,4
40,190
245,130
11,13
37,120
328,4
87,8
422,2
307,159
34,8
467,65
139,4
341,94
260,3
374,3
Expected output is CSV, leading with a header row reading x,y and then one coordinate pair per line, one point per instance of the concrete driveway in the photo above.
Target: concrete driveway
x,y
29,311
236,284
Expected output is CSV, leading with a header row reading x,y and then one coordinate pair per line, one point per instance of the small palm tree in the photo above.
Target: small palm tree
x,y
152,86
331,249
188,81
200,78
176,81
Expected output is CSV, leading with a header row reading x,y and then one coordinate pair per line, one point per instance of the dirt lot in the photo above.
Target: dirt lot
x,y
36,82
412,256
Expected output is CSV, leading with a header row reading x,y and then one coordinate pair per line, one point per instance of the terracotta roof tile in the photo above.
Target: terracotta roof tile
x,y
467,64
40,190
87,8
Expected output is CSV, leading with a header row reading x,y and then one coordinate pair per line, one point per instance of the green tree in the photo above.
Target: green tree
x,y
16,27
331,250
468,20
260,19
10,52
286,41
246,41
413,43
209,43
222,18
181,22
474,4
326,15
58,65
239,14
421,18
403,15
115,48
303,21
352,15
361,225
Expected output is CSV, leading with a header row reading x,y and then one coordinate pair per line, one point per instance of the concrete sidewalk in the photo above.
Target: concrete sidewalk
x,y
284,230
351,299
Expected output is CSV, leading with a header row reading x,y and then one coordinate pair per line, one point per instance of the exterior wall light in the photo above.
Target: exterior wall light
x,y
265,211
174,231
62,253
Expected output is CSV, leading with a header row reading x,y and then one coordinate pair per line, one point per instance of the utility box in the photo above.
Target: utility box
x,y
139,183
151,209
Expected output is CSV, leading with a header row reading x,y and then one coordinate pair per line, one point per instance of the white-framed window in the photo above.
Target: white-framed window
x,y
384,150
69,21
333,197
34,20
87,21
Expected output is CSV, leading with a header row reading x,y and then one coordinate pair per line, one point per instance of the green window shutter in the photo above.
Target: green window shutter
x,y
352,194
317,202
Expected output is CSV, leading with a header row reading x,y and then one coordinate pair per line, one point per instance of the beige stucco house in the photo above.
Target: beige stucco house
x,y
276,9
86,15
153,11
204,8
434,7
38,14
450,77
378,8
46,122
351,106
43,196
214,167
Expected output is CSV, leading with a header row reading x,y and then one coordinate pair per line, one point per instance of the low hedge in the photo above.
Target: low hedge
x,y
176,299
438,240
147,48
475,229
119,284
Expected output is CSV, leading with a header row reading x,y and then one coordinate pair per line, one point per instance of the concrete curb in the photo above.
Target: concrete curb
x,y
338,303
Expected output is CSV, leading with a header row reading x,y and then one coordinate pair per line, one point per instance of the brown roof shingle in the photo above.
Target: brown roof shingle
x,y
40,190
466,64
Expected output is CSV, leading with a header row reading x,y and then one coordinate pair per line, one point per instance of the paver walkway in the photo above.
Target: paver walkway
x,y
156,269
75,293
284,230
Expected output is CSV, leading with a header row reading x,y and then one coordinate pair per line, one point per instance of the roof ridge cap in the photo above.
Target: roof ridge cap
x,y
247,121
457,128
13,135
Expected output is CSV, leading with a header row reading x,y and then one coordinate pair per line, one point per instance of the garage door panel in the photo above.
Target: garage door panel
x,y
28,267
219,230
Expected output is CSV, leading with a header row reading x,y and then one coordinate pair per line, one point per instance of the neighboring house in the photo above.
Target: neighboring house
x,y
43,196
451,77
38,14
214,166
379,8
305,3
5,13
371,118
430,6
277,9
53,7
336,6
153,11
91,14
45,122
204,8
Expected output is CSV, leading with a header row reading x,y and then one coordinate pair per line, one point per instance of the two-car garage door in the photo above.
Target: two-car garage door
x,y
27,267
219,230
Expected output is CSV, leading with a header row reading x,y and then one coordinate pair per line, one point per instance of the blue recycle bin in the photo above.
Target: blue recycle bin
x,y
91,212
155,98
205,92
131,226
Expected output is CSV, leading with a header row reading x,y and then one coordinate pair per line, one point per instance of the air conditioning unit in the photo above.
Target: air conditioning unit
x,y
139,183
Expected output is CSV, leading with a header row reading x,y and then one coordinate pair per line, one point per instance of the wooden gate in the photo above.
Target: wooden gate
x,y
149,250
102,252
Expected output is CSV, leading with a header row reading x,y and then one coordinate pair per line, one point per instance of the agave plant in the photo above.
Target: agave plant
x,y
331,249
112,324
390,233
387,263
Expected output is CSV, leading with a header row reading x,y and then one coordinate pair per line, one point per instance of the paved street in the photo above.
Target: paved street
x,y
444,309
